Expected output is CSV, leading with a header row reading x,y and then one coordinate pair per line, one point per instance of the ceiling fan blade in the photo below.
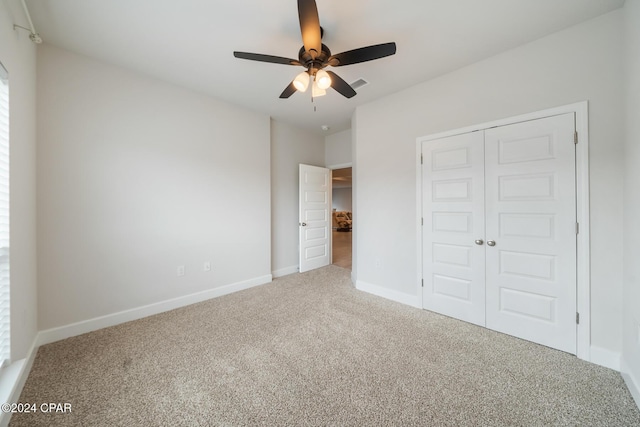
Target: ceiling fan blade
x,y
288,91
266,58
341,86
363,54
310,27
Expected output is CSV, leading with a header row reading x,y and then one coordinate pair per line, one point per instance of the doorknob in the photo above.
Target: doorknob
x,y
304,224
491,242
479,242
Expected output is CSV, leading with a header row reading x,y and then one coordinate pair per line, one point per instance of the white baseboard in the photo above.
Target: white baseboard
x,y
12,380
71,330
607,358
285,271
412,300
633,382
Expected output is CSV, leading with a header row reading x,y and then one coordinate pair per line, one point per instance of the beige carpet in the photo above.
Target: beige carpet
x,y
308,349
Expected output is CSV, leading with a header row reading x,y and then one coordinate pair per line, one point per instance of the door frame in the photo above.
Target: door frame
x,y
331,168
583,267
344,166
353,216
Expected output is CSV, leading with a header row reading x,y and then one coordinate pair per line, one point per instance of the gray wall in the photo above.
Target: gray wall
x,y
338,149
289,148
631,347
136,177
581,63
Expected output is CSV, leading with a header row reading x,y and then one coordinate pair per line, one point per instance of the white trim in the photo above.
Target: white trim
x,y
420,272
13,378
78,328
633,384
604,357
412,300
583,291
285,271
580,107
583,256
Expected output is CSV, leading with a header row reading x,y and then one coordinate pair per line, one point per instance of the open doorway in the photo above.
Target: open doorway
x,y
342,221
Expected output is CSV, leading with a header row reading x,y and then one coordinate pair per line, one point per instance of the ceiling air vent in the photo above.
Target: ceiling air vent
x,y
359,83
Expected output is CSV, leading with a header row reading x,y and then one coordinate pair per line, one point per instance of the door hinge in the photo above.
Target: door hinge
x,y
423,283
421,159
577,228
421,221
575,137
577,318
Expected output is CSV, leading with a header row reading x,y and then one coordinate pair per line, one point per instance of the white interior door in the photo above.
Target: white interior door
x,y
531,217
453,215
314,217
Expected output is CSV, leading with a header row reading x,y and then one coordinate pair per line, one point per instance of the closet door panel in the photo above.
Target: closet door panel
x,y
453,215
531,216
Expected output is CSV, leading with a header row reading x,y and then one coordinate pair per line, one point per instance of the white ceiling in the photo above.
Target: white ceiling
x,y
191,42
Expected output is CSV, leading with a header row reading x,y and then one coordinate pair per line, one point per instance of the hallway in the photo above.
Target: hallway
x,y
342,249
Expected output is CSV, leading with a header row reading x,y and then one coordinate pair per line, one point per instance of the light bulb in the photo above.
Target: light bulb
x,y
323,79
317,91
301,82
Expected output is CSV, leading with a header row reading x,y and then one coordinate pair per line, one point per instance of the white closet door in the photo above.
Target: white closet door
x,y
453,215
531,217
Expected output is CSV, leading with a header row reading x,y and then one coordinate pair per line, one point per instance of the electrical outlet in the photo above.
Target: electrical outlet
x,y
180,270
207,266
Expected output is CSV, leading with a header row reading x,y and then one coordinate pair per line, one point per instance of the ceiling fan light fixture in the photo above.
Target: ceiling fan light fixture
x,y
323,79
317,91
301,82
315,56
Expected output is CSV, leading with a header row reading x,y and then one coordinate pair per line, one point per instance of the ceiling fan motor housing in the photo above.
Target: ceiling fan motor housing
x,y
313,65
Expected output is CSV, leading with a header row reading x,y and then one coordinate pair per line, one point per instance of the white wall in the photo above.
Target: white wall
x,y
289,147
342,199
338,149
136,177
631,346
18,55
581,63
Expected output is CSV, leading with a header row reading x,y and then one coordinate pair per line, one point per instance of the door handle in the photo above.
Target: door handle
x,y
491,242
479,242
304,224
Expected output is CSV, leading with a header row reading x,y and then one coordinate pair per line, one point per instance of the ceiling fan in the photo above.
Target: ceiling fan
x,y
315,57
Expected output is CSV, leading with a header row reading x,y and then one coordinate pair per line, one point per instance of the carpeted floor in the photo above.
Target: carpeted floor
x,y
309,349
